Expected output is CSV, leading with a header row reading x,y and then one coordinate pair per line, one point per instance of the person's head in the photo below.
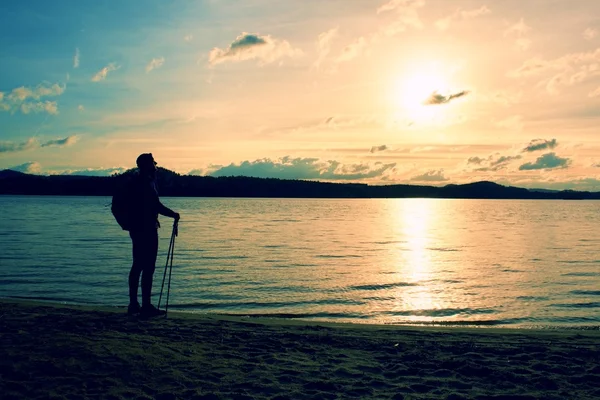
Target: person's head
x,y
146,164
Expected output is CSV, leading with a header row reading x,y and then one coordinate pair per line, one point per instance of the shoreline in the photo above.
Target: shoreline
x,y
293,319
79,352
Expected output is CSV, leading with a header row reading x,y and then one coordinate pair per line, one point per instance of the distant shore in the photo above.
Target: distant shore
x,y
173,184
78,352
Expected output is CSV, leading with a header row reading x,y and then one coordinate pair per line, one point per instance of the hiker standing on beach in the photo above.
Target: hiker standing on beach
x,y
143,231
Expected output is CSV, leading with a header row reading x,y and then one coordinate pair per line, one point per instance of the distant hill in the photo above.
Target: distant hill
x,y
173,184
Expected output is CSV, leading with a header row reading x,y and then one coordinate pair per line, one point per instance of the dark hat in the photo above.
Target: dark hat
x,y
145,160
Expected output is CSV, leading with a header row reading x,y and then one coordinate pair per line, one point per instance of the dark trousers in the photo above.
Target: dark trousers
x,y
145,249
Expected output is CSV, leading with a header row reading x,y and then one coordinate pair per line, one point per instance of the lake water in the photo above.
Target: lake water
x,y
398,261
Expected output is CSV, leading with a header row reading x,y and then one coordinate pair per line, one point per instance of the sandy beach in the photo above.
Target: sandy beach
x,y
52,351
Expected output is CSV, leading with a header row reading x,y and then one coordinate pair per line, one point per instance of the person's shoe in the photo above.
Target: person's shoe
x,y
151,311
133,308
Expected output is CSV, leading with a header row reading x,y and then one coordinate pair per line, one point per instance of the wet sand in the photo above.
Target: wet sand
x,y
53,351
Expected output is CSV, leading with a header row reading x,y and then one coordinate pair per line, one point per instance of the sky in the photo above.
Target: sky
x,y
424,92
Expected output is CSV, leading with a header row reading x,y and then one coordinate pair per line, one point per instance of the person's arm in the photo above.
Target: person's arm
x,y
166,211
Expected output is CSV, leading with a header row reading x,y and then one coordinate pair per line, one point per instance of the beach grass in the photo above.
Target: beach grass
x,y
56,351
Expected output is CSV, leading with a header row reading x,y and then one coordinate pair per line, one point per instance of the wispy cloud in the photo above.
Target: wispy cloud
x,y
324,45
570,69
590,33
32,143
594,93
253,47
435,98
76,58
547,161
305,168
40,106
540,144
43,90
103,73
431,176
352,50
519,29
89,171
155,63
405,16
376,149
36,168
12,147
458,15
405,8
68,141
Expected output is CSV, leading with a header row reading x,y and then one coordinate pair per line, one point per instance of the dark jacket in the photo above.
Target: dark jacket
x,y
147,204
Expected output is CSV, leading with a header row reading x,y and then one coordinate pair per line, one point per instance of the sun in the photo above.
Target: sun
x,y
412,91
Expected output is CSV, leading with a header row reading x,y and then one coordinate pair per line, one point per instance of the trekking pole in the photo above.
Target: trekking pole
x,y
169,257
173,235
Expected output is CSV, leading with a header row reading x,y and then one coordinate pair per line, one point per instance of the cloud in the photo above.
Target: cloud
x,y
352,50
567,70
530,67
68,141
22,94
435,98
444,23
519,29
253,47
11,147
155,63
430,176
41,106
76,58
494,162
594,93
540,144
590,33
103,73
375,149
324,45
32,167
27,99
304,168
503,160
91,171
405,16
523,43
547,161
475,160
400,6
32,143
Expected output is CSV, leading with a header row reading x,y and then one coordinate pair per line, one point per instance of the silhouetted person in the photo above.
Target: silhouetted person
x,y
144,235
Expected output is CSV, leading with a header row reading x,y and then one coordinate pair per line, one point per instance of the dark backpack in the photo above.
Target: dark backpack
x,y
123,205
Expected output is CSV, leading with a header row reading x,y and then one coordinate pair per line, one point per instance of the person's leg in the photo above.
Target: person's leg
x,y
150,253
136,269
